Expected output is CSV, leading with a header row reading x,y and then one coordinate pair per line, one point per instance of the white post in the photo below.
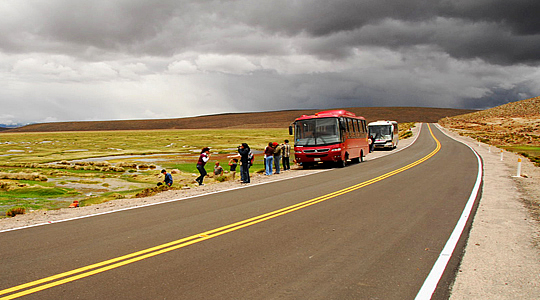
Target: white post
x,y
501,155
489,149
519,168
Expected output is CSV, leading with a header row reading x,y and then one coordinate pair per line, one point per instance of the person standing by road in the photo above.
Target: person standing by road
x,y
286,155
244,150
203,158
277,156
268,158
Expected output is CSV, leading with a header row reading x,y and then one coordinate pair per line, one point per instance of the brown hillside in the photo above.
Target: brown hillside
x,y
513,124
274,119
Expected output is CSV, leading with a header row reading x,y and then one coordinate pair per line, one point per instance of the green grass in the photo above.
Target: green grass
x,y
37,192
22,152
530,152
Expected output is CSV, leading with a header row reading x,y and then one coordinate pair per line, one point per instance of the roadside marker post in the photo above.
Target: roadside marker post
x,y
489,149
518,168
501,155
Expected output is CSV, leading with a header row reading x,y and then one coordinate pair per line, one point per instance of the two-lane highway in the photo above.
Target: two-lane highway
x,y
368,231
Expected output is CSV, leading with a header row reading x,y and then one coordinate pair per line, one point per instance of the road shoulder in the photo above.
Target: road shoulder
x,y
502,258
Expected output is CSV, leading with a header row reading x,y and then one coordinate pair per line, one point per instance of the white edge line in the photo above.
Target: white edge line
x,y
185,198
430,284
161,202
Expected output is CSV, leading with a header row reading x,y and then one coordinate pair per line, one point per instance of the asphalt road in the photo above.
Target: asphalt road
x,y
368,231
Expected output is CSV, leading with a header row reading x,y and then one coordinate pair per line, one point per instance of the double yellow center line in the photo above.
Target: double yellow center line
x,y
62,278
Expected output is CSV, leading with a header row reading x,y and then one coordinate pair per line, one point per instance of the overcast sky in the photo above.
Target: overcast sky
x,y
66,60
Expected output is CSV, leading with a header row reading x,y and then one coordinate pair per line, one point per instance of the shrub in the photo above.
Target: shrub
x,y
151,191
23,176
12,212
4,186
127,165
405,135
221,178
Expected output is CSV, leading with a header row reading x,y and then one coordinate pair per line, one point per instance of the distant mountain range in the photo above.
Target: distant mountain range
x,y
7,127
273,119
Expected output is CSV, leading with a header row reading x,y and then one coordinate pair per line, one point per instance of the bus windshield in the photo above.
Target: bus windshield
x,y
317,132
380,131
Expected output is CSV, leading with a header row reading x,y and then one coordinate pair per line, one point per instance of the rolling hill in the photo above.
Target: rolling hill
x,y
273,119
511,124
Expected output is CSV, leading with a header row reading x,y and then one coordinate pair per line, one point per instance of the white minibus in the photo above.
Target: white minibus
x,y
384,134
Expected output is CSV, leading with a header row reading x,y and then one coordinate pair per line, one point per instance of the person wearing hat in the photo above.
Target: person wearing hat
x,y
203,158
168,178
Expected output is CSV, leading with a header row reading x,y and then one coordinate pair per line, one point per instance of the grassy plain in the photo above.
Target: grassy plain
x,y
94,167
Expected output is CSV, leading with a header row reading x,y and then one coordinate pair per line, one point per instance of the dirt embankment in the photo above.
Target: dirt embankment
x,y
274,119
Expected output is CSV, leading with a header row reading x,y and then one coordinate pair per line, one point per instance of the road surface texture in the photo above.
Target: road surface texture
x,y
373,241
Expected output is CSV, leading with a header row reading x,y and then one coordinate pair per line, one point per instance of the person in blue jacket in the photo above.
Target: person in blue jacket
x,y
168,178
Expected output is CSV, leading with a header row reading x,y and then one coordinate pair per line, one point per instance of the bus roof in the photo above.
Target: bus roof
x,y
330,114
382,123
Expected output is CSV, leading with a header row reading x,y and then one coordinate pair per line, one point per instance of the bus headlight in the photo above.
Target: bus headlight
x,y
336,149
298,151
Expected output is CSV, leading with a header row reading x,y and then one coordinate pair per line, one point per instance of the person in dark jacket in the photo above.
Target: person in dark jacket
x,y
244,150
277,156
203,158
268,158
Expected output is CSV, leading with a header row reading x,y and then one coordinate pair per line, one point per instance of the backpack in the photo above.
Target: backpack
x,y
251,158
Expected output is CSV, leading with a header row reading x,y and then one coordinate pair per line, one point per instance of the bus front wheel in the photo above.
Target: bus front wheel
x,y
343,162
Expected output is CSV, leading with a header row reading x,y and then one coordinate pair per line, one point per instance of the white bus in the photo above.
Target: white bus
x,y
384,133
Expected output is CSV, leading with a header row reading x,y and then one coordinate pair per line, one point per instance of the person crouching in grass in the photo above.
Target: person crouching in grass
x,y
168,181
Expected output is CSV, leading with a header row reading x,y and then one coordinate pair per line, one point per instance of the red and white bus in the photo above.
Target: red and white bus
x,y
330,136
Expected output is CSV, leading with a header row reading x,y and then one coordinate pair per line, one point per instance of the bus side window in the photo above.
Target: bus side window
x,y
361,133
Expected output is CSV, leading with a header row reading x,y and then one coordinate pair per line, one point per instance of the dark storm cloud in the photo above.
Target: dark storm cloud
x,y
67,59
498,31
520,16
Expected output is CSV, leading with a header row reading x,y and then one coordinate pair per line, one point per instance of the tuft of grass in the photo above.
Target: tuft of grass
x,y
12,212
151,191
221,178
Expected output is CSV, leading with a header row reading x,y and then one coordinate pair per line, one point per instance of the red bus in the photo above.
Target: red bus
x,y
334,136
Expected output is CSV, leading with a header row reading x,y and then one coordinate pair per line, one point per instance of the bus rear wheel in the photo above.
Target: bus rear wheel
x,y
359,159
